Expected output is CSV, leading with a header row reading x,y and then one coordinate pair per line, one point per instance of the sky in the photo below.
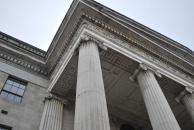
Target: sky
x,y
37,21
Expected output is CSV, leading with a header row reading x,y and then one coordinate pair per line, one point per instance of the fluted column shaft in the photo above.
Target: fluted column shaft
x,y
188,101
91,108
52,115
159,111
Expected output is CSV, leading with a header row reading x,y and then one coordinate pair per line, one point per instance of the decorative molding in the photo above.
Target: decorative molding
x,y
86,37
23,63
118,60
65,47
130,44
22,45
52,96
147,54
134,42
143,67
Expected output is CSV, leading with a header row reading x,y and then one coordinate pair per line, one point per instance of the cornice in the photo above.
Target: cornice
x,y
147,54
141,55
56,56
130,23
59,32
11,41
172,60
22,55
133,40
21,63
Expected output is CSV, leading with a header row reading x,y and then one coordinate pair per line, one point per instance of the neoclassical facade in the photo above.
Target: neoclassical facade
x,y
102,71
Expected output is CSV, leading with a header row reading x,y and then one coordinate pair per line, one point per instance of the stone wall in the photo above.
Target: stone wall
x,y
27,114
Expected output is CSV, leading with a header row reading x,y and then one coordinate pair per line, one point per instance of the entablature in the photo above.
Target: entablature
x,y
22,55
22,46
129,49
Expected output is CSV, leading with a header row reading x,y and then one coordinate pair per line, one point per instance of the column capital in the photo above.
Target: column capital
x,y
143,67
183,93
85,38
52,96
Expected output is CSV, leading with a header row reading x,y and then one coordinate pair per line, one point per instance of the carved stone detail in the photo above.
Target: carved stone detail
x,y
22,45
20,62
133,39
52,96
87,37
143,67
136,50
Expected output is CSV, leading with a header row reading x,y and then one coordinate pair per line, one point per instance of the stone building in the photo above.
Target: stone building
x,y
102,71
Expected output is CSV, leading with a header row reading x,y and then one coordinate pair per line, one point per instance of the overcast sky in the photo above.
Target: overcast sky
x,y
36,21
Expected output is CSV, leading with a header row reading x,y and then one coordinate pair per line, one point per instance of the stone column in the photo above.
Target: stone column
x,y
188,100
159,111
52,114
91,108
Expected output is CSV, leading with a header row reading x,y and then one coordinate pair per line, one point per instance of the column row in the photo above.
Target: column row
x,y
91,108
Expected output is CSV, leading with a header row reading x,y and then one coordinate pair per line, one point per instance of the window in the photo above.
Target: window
x,y
2,127
13,89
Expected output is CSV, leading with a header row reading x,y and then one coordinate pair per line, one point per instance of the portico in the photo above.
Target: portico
x,y
91,101
113,73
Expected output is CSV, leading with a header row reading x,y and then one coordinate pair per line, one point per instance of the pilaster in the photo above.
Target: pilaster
x,y
52,114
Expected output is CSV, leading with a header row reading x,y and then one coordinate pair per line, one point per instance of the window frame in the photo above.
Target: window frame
x,y
16,95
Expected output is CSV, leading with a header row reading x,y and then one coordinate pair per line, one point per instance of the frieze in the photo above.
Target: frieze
x,y
118,60
135,42
145,54
22,63
131,40
127,42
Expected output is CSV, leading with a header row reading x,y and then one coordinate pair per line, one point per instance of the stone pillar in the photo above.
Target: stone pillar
x,y
91,108
159,111
188,100
52,114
